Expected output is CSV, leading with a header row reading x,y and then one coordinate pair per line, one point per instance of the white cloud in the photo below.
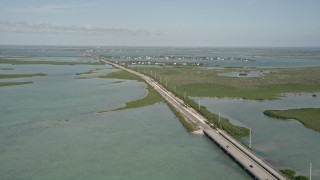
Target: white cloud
x,y
88,29
49,8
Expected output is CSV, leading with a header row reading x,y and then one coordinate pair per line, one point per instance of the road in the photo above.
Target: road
x,y
250,161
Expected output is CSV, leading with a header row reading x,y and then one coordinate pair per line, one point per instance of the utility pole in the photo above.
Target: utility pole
x,y
250,137
310,175
174,89
199,104
185,95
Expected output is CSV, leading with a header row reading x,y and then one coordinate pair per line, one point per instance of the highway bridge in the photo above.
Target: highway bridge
x,y
258,168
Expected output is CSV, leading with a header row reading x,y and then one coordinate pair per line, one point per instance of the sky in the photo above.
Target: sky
x,y
190,23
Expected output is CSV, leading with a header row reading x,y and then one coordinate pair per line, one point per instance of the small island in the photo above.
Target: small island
x,y
151,97
309,117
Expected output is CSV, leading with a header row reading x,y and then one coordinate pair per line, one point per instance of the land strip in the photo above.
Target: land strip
x,y
246,158
10,76
309,117
6,69
14,83
206,82
152,97
121,75
89,72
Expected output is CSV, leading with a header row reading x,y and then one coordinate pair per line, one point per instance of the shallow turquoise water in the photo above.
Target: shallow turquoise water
x,y
50,130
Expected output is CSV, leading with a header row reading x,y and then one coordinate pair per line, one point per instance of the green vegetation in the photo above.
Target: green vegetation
x,y
187,124
234,130
205,82
309,117
9,76
14,83
256,93
289,173
84,77
19,62
89,72
121,75
152,97
301,178
6,69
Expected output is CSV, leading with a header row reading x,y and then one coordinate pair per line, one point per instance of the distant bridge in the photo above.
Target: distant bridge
x,y
258,168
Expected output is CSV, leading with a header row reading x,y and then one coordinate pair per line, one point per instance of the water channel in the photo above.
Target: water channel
x,y
285,144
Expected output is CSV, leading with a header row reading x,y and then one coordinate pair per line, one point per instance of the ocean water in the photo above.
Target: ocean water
x,y
284,144
40,51
50,130
264,57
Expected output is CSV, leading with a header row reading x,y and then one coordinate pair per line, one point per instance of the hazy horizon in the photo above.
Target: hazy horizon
x,y
158,46
177,23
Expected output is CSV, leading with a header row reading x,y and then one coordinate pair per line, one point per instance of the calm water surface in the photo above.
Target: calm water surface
x,y
285,144
50,130
264,57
